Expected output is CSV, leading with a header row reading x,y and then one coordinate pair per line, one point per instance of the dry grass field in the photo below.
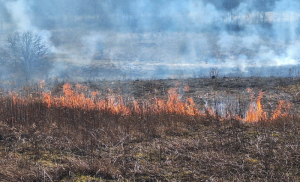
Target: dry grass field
x,y
223,129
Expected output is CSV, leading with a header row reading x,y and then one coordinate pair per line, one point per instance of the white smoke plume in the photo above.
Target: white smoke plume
x,y
158,36
20,11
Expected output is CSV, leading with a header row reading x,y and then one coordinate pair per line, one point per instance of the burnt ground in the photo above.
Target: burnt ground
x,y
207,90
197,86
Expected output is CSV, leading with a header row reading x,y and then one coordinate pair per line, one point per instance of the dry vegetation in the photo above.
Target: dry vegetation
x,y
66,140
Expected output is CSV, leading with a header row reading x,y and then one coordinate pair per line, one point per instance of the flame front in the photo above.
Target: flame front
x,y
80,97
115,104
255,114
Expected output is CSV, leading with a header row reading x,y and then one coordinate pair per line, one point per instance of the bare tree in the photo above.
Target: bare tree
x,y
27,54
214,72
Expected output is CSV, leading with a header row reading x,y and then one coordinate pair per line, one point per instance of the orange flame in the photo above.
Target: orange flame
x,y
80,97
281,110
255,114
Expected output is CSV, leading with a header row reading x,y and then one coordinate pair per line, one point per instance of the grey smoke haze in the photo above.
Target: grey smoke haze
x,y
160,38
20,15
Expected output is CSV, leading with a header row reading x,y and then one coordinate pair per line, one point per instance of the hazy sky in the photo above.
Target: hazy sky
x,y
170,33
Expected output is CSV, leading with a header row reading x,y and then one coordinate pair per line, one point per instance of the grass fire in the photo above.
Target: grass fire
x,y
82,98
177,129
149,90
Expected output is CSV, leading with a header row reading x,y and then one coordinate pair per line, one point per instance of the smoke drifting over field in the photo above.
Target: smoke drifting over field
x,y
161,38
20,14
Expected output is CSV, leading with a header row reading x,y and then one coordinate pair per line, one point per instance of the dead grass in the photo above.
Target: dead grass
x,y
38,143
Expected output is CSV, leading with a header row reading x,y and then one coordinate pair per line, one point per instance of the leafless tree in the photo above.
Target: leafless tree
x,y
27,54
214,72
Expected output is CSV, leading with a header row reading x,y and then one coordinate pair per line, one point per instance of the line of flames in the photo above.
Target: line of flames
x,y
114,104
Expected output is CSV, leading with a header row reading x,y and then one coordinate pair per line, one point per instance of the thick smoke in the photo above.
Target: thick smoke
x,y
162,38
20,12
